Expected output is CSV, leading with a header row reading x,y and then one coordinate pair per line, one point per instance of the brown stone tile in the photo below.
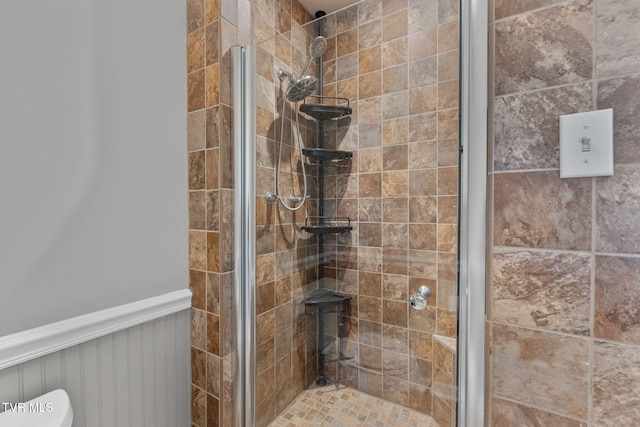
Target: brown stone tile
x,y
346,18
198,406
617,202
197,286
447,237
447,10
624,95
446,323
554,367
395,338
213,251
423,264
212,51
211,10
394,287
212,84
423,99
395,364
538,209
394,313
423,126
212,127
447,267
448,124
348,88
369,134
370,308
392,6
370,382
395,52
395,183
213,293
369,284
213,334
423,44
422,182
617,39
423,72
395,105
616,297
198,367
370,160
197,210
347,42
370,185
370,110
394,261
448,95
347,66
370,234
395,209
395,78
422,15
422,320
505,413
370,85
195,14
420,345
395,157
370,259
369,10
517,144
395,236
212,165
395,390
447,209
265,268
395,131
506,8
423,236
616,384
197,250
448,36
369,60
369,35
423,209
213,375
395,26
544,290
195,50
370,358
196,167
523,47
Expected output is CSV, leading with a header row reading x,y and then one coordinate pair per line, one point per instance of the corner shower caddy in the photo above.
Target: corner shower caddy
x,y
322,301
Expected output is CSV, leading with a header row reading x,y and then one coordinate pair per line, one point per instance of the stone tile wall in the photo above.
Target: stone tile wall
x,y
397,63
563,327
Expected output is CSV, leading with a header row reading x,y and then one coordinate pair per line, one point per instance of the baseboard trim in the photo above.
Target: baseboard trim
x,y
33,343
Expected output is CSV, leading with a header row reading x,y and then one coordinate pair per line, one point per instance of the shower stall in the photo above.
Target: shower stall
x,y
344,206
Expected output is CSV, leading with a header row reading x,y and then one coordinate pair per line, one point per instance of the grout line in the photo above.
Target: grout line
x,y
511,400
498,172
592,302
531,11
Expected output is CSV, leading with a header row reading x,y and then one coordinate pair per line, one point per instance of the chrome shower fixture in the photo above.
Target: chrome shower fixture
x,y
303,86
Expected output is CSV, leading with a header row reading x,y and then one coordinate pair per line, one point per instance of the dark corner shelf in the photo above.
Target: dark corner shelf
x,y
324,297
324,154
321,111
327,225
325,111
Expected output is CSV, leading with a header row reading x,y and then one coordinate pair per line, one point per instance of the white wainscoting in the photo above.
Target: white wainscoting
x,y
136,377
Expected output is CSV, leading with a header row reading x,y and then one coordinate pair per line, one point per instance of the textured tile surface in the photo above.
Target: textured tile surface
x,y
623,95
617,207
541,369
617,298
345,407
527,126
618,39
544,290
546,48
538,209
616,385
510,414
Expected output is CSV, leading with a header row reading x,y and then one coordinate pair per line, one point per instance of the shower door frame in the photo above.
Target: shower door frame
x,y
472,236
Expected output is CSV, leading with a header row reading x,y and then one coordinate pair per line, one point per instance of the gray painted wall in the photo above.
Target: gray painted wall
x,y
93,200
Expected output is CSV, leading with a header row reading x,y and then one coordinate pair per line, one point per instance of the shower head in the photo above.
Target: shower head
x,y
316,50
300,88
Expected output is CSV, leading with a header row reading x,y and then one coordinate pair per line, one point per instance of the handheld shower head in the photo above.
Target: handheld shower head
x,y
316,50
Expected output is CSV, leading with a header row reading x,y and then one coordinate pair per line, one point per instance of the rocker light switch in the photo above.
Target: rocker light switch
x,y
586,144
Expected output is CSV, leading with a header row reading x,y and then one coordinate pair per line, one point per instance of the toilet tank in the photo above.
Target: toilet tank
x,y
49,410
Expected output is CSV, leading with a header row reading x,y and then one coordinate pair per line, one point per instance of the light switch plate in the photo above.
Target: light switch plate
x,y
586,144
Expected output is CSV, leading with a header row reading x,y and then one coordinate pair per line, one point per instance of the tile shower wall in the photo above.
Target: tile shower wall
x,y
397,62
564,340
285,337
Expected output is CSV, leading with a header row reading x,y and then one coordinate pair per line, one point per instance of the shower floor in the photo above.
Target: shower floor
x,y
346,407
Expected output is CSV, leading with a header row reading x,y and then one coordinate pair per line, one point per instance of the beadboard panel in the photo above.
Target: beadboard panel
x,y
135,377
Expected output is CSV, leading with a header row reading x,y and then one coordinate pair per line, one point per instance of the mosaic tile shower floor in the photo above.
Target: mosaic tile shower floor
x,y
345,407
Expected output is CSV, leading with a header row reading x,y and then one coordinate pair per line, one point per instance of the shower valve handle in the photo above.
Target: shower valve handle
x,y
419,299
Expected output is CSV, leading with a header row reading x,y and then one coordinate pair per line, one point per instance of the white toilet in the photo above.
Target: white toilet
x,y
49,410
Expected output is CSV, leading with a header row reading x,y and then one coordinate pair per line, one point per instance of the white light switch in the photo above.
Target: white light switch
x,y
586,144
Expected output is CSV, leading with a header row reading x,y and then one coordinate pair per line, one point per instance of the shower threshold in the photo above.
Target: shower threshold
x,y
345,407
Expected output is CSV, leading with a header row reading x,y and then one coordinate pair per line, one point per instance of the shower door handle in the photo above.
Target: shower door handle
x,y
419,299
